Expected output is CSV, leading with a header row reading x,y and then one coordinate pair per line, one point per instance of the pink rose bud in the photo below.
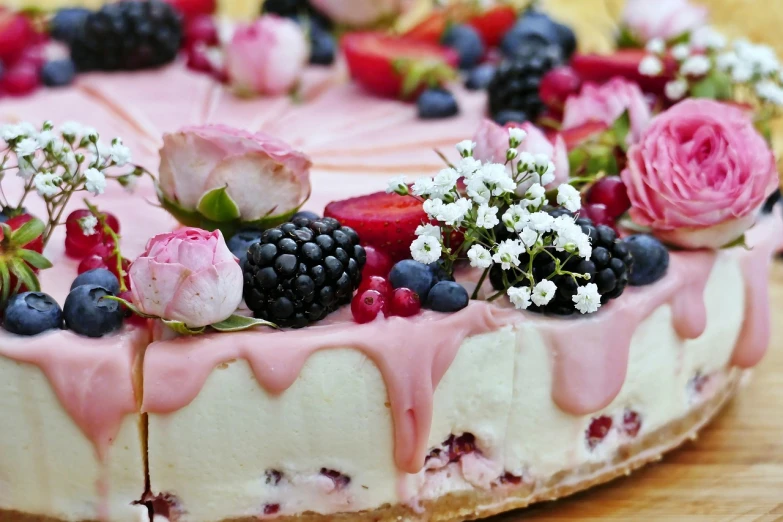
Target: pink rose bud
x,y
664,19
262,175
492,143
700,174
189,276
359,13
267,56
606,103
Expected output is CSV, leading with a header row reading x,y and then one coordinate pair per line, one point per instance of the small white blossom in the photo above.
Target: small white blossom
x,y
497,178
708,38
770,91
587,299
526,162
47,184
90,132
742,72
656,46
95,181
443,183
119,153
479,257
26,169
541,222
569,197
487,217
507,253
681,51
726,61
397,185
676,89
511,154
529,237
478,190
515,218
695,66
422,187
11,132
468,167
569,237
519,297
534,197
650,66
45,138
27,147
543,292
515,137
88,224
465,148
71,128
27,128
426,249
429,230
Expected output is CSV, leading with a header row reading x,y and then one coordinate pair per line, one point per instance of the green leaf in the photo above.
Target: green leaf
x,y
34,259
181,328
716,85
130,306
25,275
28,232
216,205
237,323
627,40
577,159
5,281
739,242
620,129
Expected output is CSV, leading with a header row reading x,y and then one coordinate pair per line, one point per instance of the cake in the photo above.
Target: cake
x,y
417,405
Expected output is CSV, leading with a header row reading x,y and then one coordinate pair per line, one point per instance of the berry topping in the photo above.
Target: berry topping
x,y
385,221
600,68
480,77
201,30
66,24
128,35
467,42
493,23
340,481
557,85
507,116
367,305
88,313
31,313
80,243
377,283
598,430
396,67
273,477
323,48
610,191
535,29
439,272
271,509
598,214
193,8
58,73
650,259
632,423
447,296
405,303
99,277
413,275
241,242
312,216
302,270
378,263
16,34
431,29
436,103
20,79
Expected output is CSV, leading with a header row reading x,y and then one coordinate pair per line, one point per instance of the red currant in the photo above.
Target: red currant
x,y
79,245
598,213
378,262
201,29
632,423
367,305
598,430
198,60
612,193
21,79
377,283
405,303
557,85
91,263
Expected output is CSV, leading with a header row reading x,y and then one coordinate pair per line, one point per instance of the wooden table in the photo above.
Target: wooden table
x,y
733,472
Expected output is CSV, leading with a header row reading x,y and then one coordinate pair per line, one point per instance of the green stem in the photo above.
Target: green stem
x,y
116,238
480,283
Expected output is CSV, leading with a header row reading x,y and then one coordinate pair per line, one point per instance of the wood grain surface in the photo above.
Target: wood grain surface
x,y
733,472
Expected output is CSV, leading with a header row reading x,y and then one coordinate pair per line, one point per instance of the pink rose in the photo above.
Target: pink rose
x,y
492,143
189,276
605,103
267,56
699,174
261,174
359,13
665,19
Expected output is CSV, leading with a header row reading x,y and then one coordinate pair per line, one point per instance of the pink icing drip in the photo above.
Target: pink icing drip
x,y
412,356
92,378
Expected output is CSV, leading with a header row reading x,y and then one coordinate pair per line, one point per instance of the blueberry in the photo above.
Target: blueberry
x,y
480,76
241,242
322,46
510,116
467,42
447,296
67,23
100,277
436,103
58,73
32,313
650,259
88,313
414,275
534,28
312,216
439,272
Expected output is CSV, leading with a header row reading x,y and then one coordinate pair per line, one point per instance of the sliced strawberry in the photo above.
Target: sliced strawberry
x,y
384,221
430,30
396,67
16,223
192,8
601,68
494,23
16,34
578,135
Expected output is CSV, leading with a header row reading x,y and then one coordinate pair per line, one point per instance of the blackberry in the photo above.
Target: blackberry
x,y
128,35
609,268
516,82
303,270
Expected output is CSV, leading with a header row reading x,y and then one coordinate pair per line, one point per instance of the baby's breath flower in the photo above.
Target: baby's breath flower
x,y
770,91
681,51
529,237
515,218
697,65
88,224
47,184
569,197
467,167
742,72
487,217
508,252
45,138
534,197
707,38
397,185
426,249
27,147
676,89
71,129
10,132
511,154
479,257
543,292
26,169
95,181
655,46
541,222
465,148
119,153
429,230
443,183
515,137
478,191
650,66
587,299
519,297
422,187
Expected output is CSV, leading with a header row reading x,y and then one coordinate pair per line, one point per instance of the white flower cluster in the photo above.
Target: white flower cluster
x,y
743,63
514,195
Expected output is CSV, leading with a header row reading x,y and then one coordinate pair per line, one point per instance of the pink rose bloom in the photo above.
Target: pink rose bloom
x,y
699,174
666,19
189,276
263,175
605,103
358,13
267,56
492,143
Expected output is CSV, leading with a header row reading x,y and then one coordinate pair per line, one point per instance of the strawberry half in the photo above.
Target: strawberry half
x,y
600,68
576,136
16,34
494,23
431,29
396,67
385,221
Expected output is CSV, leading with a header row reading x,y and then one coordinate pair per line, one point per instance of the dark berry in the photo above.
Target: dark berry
x,y
467,42
312,216
31,313
510,116
598,430
322,46
414,275
240,242
447,296
405,303
439,272
650,259
100,277
480,77
58,73
771,202
366,306
88,313
437,103
537,29
67,24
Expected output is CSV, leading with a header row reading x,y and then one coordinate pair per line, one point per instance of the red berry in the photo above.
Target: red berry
x,y
79,245
16,222
493,23
201,29
598,213
598,430
405,303
377,283
131,318
612,193
431,29
367,305
576,136
462,445
192,8
35,55
91,263
16,33
21,79
557,85
198,60
378,262
600,68
632,423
